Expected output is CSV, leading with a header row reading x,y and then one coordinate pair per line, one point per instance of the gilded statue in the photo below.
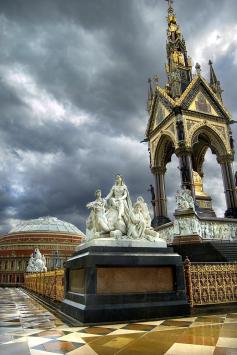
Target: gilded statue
x,y
198,184
178,57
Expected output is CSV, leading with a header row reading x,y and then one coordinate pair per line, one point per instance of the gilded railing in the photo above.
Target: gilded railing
x,y
49,284
210,283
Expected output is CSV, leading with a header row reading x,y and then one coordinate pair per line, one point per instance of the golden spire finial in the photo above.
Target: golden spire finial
x,y
179,65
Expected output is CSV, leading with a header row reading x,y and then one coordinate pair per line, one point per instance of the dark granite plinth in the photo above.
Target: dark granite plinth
x,y
159,221
231,213
109,284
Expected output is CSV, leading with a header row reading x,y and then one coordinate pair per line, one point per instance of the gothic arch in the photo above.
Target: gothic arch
x,y
198,155
164,150
212,138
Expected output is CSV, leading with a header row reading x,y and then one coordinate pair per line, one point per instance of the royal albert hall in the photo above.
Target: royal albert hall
x,y
54,238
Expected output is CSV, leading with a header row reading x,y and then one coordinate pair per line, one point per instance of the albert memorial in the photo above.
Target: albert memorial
x,y
135,279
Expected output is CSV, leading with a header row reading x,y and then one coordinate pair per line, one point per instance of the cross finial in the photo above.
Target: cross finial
x,y
170,3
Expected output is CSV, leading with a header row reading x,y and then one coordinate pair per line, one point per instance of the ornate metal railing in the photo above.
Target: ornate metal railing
x,y
206,284
210,283
48,284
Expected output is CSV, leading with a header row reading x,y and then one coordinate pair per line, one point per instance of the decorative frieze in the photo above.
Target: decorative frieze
x,y
186,225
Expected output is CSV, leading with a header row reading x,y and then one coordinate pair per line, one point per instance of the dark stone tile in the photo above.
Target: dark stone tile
x,y
96,330
174,323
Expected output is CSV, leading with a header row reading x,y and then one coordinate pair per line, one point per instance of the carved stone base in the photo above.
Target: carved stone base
x,y
126,243
159,221
111,284
203,206
205,212
187,212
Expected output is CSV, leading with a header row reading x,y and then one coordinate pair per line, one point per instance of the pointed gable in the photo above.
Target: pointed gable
x,y
202,103
162,106
199,97
160,114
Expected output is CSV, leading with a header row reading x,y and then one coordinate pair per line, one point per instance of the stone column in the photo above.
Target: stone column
x,y
160,198
229,186
184,154
186,169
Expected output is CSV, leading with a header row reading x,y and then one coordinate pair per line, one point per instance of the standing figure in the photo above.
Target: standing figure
x,y
152,191
153,198
180,130
119,200
184,173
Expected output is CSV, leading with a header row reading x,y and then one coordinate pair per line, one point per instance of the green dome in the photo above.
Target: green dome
x,y
46,224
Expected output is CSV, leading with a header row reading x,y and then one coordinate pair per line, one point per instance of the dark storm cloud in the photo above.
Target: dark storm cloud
x,y
73,89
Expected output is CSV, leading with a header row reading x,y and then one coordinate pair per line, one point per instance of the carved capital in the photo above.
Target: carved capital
x,y
158,170
183,150
223,159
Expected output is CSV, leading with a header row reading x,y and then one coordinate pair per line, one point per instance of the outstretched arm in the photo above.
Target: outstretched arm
x,y
90,205
110,194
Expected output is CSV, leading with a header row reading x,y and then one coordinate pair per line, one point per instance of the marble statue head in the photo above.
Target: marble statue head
x,y
137,206
98,193
119,180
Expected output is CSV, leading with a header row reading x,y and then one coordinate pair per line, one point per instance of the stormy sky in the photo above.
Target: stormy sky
x,y
73,91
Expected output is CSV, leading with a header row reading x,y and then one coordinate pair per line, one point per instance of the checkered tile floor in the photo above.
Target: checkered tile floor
x,y
28,328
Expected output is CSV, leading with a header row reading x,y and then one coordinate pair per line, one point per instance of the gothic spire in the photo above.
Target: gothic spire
x,y
179,66
214,83
150,95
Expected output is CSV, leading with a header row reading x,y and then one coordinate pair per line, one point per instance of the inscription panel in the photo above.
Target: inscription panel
x,y
134,279
77,281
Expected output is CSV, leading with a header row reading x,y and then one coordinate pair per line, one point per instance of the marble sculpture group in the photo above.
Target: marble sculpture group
x,y
116,217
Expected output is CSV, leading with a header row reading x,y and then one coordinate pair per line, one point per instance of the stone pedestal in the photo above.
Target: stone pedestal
x,y
204,206
185,227
124,281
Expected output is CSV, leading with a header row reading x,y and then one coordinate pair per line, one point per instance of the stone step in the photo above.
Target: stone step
x,y
208,251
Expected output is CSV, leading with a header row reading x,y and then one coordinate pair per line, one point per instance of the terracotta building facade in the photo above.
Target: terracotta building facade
x,y
55,239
